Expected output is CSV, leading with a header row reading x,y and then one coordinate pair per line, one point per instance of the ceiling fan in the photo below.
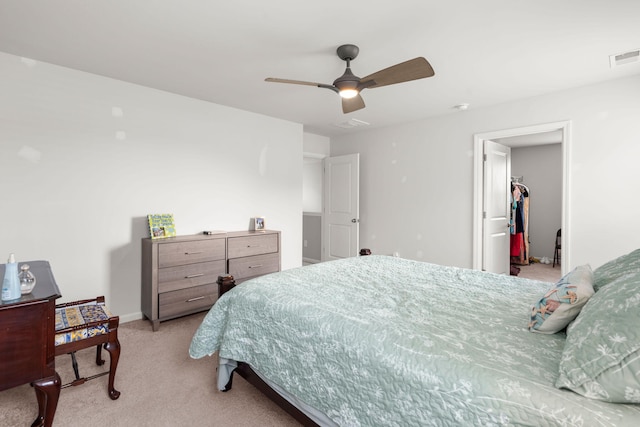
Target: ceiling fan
x,y
349,86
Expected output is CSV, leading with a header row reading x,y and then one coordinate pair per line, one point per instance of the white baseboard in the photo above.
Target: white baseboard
x,y
131,317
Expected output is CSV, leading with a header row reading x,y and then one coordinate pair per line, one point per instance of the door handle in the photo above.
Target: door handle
x,y
355,220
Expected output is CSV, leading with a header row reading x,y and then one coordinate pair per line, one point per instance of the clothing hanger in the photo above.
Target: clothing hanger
x,y
517,180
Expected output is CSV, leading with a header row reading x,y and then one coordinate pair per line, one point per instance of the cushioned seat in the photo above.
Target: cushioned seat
x,y
83,324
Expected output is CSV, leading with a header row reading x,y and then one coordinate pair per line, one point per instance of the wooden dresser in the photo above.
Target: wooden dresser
x,y
179,274
27,349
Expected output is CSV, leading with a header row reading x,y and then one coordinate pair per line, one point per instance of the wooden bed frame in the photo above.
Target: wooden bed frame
x,y
245,371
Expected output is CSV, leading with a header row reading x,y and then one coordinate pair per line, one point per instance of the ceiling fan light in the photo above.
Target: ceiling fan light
x,y
348,93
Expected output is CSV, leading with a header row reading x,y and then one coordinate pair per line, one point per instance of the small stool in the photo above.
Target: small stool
x,y
82,324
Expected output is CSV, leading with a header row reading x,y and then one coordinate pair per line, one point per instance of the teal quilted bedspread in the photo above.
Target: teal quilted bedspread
x,y
383,341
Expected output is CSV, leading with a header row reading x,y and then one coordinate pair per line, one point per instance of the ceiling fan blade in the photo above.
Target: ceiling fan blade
x,y
300,82
295,82
352,104
414,69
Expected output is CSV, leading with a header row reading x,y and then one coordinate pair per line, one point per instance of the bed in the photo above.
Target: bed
x,y
377,340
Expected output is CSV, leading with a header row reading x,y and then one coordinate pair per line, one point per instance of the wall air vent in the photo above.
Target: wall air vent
x,y
352,123
624,58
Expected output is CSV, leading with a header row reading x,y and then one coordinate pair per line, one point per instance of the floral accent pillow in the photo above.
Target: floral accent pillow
x,y
601,357
558,307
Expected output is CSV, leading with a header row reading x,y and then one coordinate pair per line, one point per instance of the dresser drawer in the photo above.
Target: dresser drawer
x,y
179,253
187,300
189,275
256,244
241,268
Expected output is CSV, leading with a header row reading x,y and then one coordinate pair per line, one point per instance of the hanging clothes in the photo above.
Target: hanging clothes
x,y
519,226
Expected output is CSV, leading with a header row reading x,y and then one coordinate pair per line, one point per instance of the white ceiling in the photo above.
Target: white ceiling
x,y
483,52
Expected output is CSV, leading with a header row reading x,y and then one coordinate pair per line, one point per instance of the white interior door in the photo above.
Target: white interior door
x,y
496,208
341,219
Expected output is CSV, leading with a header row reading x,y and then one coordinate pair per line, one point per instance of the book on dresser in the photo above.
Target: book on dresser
x,y
161,226
179,274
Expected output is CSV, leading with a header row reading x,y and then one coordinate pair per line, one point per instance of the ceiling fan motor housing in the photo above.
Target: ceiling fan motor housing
x,y
348,52
347,81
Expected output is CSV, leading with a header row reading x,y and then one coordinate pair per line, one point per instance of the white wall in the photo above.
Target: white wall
x,y
79,178
315,148
416,181
312,175
316,145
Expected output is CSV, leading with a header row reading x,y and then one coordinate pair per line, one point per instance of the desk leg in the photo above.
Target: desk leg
x,y
47,393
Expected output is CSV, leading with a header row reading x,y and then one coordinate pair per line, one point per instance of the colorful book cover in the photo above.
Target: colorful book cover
x,y
161,226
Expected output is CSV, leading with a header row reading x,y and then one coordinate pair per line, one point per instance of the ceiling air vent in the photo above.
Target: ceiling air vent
x,y
624,58
352,124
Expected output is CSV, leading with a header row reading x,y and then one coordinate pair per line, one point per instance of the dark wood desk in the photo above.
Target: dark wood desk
x,y
27,352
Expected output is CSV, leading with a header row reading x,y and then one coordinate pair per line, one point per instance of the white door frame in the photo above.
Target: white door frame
x,y
478,191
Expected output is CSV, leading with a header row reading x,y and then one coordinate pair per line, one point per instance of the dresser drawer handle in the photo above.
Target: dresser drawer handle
x,y
255,266
192,253
253,246
195,299
194,275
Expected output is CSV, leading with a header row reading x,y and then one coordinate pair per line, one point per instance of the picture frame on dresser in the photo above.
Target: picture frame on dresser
x,y
258,223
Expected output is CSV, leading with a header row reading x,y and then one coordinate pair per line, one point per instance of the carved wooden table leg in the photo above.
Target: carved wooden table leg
x,y
113,347
99,360
47,393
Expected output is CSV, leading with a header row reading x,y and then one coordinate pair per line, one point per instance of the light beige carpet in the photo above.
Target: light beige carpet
x,y
160,385
538,271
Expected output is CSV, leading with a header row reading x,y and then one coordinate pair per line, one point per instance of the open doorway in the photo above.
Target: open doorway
x,y
331,217
558,133
312,189
536,178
